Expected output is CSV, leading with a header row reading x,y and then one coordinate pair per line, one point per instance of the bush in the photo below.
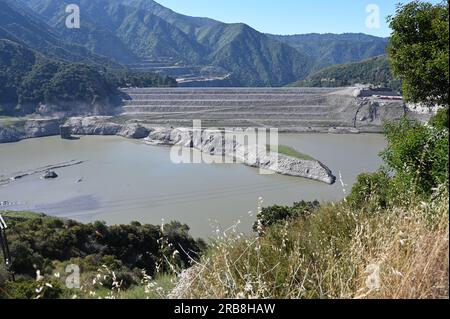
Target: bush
x,y
275,214
29,289
38,242
440,121
25,260
371,192
4,276
417,155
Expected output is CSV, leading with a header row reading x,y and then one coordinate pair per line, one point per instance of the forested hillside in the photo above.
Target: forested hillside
x,y
131,31
48,245
21,25
376,71
331,49
149,30
28,80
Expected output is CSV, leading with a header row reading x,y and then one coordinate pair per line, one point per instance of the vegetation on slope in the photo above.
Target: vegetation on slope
x,y
152,31
136,28
21,25
334,49
44,246
29,79
387,239
289,151
376,71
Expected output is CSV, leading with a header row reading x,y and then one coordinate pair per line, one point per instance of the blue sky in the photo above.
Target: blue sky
x,y
292,16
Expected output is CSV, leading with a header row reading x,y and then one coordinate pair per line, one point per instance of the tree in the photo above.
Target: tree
x,y
417,154
419,51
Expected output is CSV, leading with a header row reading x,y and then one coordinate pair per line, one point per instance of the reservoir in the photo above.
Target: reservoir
x,y
121,180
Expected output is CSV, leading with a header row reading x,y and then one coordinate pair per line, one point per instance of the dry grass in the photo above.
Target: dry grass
x,y
336,253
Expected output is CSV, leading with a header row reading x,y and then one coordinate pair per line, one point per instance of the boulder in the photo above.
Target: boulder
x,y
50,175
66,132
134,131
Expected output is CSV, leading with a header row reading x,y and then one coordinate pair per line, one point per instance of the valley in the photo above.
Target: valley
x,y
306,166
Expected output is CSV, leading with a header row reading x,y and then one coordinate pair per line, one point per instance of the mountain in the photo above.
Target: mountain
x,y
332,49
28,78
19,24
153,32
117,31
375,71
147,36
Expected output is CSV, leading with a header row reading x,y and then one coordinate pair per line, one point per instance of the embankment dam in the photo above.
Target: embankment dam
x,y
335,110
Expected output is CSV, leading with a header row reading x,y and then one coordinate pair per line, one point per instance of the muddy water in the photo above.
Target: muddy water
x,y
121,180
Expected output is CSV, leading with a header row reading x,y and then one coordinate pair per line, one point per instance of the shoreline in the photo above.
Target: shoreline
x,y
246,155
36,128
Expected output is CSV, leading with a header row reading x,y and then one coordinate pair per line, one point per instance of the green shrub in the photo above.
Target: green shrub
x,y
31,289
440,121
275,214
40,242
417,155
370,192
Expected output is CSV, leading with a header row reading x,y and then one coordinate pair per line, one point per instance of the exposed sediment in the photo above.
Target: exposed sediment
x,y
29,129
290,110
226,144
154,112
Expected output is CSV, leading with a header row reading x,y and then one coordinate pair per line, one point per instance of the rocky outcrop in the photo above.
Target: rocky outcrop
x,y
97,125
134,131
50,175
225,144
101,125
29,129
9,134
212,142
373,113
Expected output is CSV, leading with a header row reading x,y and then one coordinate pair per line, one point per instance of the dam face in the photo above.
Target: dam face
x,y
288,109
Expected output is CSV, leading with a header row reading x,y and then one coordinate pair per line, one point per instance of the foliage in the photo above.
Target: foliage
x,y
39,242
419,51
417,155
28,79
371,192
416,163
20,25
27,289
374,71
440,121
78,82
334,49
273,215
289,151
336,252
